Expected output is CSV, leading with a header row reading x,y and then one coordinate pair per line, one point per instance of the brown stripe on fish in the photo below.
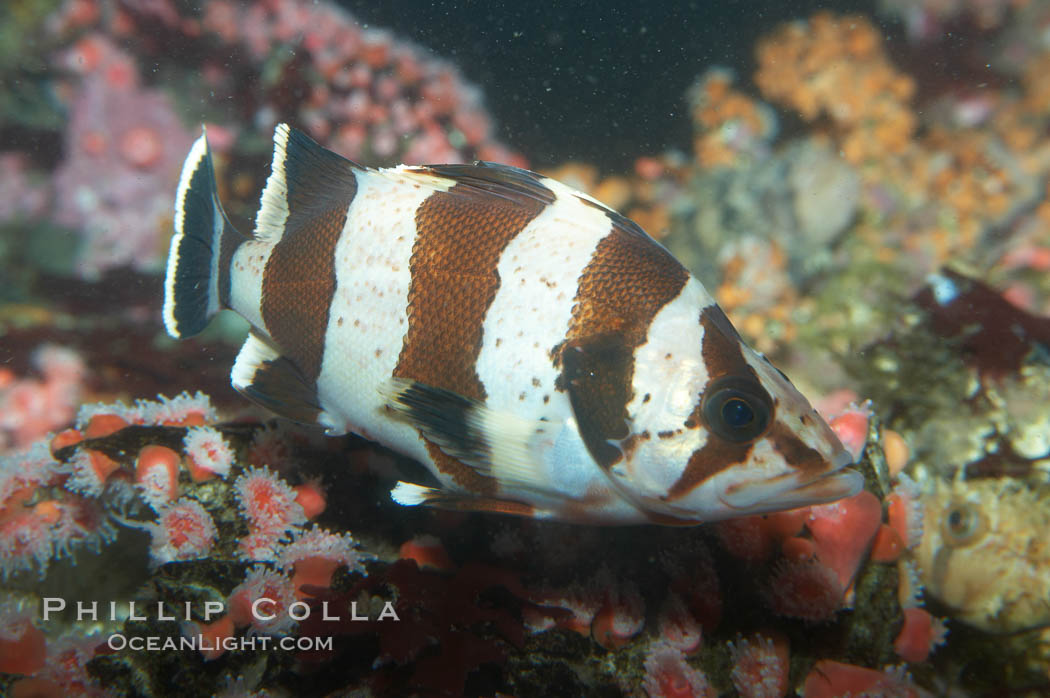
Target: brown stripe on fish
x,y
460,235
299,278
795,452
627,281
723,356
721,345
715,456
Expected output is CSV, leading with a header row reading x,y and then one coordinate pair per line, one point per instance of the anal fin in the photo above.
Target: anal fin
x,y
409,494
273,381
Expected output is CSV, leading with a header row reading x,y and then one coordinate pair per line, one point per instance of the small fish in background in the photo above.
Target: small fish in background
x,y
536,350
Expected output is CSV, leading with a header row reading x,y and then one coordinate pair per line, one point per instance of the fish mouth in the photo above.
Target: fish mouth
x,y
787,492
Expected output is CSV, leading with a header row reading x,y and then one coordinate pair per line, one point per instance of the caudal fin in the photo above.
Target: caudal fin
x,y
195,277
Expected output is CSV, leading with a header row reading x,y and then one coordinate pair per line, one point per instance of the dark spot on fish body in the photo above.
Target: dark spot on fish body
x,y
599,390
627,281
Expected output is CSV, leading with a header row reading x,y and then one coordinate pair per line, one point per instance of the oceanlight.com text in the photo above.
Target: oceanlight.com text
x,y
199,643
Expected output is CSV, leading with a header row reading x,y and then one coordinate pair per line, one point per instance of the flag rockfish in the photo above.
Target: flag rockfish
x,y
536,350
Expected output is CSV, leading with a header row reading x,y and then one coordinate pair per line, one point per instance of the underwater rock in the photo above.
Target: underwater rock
x,y
800,199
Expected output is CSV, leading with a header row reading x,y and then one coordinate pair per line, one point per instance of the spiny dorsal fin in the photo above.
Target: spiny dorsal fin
x,y
512,184
305,180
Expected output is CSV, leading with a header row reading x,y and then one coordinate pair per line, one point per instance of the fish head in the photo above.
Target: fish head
x,y
720,432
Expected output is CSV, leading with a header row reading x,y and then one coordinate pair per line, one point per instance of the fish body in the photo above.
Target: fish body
x,y
537,351
978,555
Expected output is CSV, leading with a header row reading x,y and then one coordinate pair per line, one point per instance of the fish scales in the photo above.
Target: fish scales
x,y
538,352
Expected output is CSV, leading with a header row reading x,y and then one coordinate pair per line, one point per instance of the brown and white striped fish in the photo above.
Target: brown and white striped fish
x,y
537,351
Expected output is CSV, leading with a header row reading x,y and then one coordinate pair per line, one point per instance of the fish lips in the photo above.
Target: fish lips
x,y
790,491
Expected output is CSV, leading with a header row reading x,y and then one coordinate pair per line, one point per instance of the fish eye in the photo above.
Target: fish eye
x,y
737,413
962,524
736,409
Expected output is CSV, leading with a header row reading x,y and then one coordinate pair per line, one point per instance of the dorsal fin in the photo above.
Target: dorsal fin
x,y
305,180
623,224
493,179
